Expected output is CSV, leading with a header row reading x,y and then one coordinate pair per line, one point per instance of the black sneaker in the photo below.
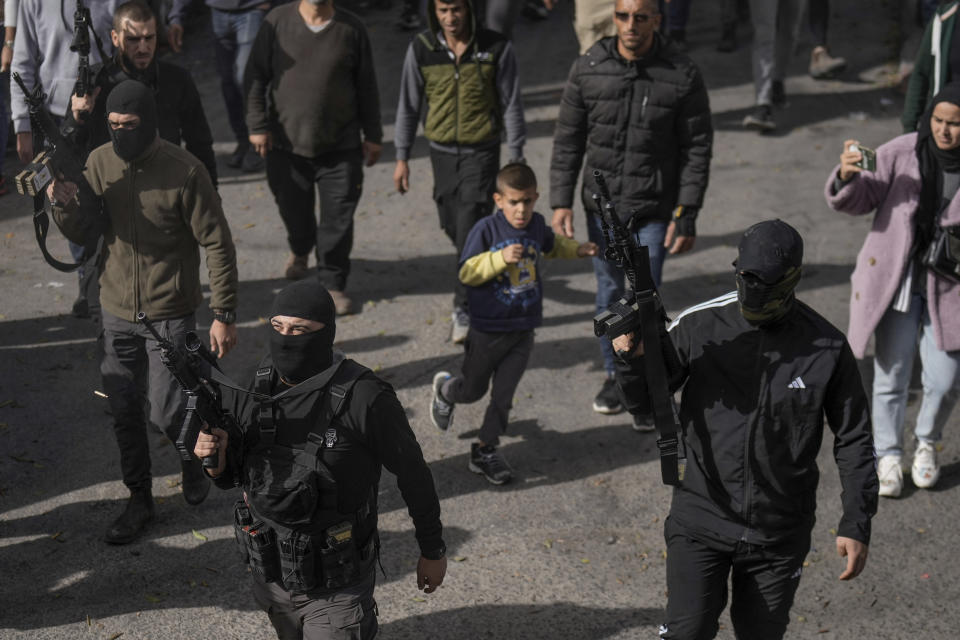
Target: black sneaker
x,y
643,423
778,94
235,159
488,461
137,514
252,162
608,400
761,119
441,411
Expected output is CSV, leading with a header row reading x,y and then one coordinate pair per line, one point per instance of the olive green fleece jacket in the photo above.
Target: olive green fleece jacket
x,y
158,210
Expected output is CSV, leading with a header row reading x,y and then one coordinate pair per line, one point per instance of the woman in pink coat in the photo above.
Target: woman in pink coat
x,y
914,190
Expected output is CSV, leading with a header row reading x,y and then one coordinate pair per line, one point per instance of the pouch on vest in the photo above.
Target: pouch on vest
x,y
257,543
282,485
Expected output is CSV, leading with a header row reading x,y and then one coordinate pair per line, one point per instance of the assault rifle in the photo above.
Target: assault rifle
x,y
58,159
642,312
82,28
190,366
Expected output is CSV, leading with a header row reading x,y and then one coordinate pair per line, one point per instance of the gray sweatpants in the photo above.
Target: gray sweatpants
x,y
774,25
347,614
134,378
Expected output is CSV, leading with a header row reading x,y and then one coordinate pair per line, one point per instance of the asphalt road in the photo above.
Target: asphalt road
x,y
573,548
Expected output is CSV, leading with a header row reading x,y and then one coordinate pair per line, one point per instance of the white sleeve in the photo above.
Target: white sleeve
x,y
10,13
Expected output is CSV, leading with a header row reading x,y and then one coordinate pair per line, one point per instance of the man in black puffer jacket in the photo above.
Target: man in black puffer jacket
x,y
637,108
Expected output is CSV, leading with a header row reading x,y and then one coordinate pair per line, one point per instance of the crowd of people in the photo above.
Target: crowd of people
x,y
315,428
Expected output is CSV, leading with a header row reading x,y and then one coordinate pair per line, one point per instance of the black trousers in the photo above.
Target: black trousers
x,y
501,356
134,377
463,186
347,614
764,581
339,181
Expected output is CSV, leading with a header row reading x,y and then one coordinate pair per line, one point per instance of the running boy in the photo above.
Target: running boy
x,y
500,267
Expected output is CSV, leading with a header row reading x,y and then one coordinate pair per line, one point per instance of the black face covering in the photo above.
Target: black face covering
x,y
768,270
134,98
765,304
298,357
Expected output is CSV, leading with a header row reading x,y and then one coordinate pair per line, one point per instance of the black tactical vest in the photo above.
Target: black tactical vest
x,y
288,525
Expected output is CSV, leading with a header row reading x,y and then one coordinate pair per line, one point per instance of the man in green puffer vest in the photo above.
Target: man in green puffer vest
x,y
467,77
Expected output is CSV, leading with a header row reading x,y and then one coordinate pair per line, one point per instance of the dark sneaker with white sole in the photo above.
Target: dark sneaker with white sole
x,y
488,462
643,423
761,119
441,411
607,400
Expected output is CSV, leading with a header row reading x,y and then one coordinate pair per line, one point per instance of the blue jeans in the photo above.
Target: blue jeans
x,y
234,33
678,12
896,347
610,279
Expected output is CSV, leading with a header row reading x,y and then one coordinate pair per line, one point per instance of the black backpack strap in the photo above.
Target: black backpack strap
x,y
266,421
341,384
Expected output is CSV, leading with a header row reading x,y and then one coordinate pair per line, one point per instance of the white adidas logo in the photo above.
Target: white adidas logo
x,y
797,384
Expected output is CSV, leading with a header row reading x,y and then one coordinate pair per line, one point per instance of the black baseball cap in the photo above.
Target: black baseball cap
x,y
769,249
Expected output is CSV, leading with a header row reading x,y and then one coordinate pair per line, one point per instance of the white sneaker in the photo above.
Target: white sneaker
x,y
891,476
925,470
461,326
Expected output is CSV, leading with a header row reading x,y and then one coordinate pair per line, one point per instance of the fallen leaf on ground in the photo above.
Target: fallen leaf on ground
x,y
459,558
198,535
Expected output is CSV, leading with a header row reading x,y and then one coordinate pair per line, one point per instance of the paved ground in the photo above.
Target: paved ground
x,y
573,548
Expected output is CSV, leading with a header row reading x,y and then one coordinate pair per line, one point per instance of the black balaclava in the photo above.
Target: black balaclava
x,y
933,162
302,356
132,97
768,270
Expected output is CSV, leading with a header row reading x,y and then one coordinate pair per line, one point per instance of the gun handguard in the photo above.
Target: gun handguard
x,y
641,311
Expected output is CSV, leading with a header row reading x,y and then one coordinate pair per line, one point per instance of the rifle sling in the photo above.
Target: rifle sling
x,y
659,390
41,224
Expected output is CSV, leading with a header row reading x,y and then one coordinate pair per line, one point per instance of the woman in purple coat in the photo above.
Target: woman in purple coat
x,y
914,190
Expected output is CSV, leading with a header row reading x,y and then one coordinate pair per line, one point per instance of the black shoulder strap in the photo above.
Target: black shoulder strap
x,y
334,402
266,421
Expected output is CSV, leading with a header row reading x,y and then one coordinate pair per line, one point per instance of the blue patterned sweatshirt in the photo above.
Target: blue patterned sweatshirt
x,y
508,297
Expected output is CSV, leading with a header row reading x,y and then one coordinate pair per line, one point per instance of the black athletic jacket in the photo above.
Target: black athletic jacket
x,y
751,412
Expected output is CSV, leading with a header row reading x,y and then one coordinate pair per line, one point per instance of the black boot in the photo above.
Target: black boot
x,y
137,514
194,481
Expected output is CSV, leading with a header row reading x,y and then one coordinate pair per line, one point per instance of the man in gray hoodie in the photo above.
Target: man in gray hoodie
x,y
41,55
467,77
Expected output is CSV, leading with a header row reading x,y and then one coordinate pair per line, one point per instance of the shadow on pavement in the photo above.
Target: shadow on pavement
x,y
522,622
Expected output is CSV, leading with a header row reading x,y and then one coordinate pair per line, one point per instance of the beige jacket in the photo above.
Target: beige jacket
x,y
160,209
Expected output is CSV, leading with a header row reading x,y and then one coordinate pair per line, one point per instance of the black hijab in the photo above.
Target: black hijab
x,y
933,162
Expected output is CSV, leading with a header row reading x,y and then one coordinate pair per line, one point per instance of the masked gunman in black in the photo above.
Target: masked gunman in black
x,y
760,371
316,431
155,206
